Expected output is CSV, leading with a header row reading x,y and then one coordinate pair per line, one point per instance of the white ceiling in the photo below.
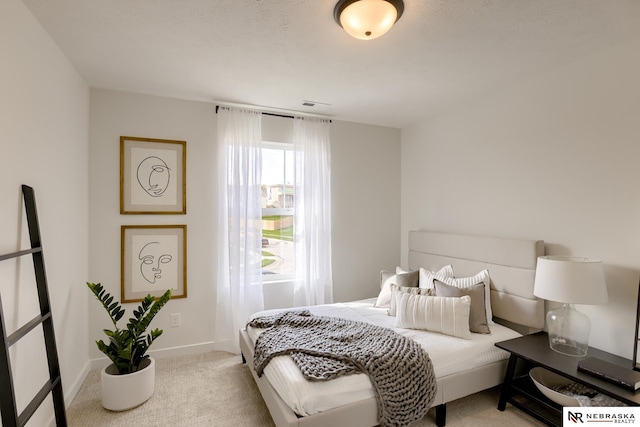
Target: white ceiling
x,y
277,53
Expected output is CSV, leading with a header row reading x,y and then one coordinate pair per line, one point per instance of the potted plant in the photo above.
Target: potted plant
x,y
130,380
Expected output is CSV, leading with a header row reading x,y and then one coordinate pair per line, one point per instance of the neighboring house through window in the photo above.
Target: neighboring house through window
x,y
277,203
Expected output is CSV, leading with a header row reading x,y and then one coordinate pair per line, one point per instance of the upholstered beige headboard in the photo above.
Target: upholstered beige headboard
x,y
511,264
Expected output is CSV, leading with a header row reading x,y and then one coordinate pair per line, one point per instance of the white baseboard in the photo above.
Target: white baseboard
x,y
228,346
164,353
70,394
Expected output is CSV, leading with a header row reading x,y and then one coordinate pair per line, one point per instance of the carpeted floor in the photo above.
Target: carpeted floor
x,y
216,389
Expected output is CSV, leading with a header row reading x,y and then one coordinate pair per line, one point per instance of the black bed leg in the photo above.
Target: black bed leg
x,y
244,361
441,415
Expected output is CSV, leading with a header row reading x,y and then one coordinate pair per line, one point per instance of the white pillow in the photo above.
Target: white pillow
x,y
445,315
467,282
395,289
387,278
427,276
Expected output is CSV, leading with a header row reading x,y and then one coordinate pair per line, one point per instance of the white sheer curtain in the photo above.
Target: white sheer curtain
x,y
239,284
312,212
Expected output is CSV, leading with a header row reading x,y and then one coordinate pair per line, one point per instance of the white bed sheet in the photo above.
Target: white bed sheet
x,y
448,354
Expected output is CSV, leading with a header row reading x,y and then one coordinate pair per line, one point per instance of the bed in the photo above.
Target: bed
x,y
515,310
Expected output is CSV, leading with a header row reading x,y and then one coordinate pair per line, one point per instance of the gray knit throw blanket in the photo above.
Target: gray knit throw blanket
x,y
325,348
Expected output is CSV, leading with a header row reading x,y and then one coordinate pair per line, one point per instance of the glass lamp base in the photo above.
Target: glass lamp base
x,y
568,331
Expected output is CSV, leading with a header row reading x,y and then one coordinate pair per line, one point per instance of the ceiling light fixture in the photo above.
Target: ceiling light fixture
x,y
367,19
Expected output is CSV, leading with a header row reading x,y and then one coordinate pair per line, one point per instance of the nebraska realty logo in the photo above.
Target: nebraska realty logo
x,y
604,416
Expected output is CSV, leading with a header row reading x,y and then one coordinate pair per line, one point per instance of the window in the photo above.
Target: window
x,y
277,211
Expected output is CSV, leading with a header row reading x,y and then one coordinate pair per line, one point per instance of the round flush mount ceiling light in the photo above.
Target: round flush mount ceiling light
x,y
367,19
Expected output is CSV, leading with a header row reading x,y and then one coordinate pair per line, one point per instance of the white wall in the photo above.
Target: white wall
x,y
555,158
365,186
366,204
115,114
44,117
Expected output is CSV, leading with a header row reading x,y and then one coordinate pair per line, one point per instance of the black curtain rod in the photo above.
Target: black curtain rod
x,y
264,113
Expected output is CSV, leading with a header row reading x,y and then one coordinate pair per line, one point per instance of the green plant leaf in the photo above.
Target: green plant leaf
x,y
127,347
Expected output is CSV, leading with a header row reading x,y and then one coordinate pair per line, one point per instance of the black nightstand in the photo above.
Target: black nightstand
x,y
533,350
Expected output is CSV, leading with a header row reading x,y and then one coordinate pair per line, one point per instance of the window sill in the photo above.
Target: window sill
x,y
283,281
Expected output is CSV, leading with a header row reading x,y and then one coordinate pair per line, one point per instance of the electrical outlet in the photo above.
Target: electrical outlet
x,y
175,320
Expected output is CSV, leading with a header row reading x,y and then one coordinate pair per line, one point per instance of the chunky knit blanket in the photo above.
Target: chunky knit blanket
x,y
325,348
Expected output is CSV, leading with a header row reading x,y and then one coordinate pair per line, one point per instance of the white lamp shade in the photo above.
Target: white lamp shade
x,y
570,280
368,19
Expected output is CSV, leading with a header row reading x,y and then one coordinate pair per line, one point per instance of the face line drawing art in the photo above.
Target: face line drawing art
x,y
154,176
151,258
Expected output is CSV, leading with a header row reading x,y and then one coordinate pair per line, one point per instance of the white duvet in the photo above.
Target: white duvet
x,y
448,354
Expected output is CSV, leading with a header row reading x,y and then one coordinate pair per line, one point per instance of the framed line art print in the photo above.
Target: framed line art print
x,y
152,176
153,259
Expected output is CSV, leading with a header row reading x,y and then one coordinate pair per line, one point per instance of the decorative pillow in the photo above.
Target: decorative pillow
x,y
427,276
466,282
408,280
478,311
400,270
415,291
445,315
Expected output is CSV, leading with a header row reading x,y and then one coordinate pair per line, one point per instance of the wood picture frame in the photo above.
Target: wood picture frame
x,y
153,259
153,176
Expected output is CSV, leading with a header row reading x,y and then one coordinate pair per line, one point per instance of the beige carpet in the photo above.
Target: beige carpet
x,y
216,389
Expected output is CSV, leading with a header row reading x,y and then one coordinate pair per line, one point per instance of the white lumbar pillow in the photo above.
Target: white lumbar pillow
x,y
445,315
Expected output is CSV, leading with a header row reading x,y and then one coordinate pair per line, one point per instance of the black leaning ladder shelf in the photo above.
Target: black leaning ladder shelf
x,y
10,416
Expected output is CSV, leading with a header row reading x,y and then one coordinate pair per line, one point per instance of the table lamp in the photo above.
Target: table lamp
x,y
569,280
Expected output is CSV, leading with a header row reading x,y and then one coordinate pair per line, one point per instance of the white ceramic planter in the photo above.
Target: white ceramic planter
x,y
122,392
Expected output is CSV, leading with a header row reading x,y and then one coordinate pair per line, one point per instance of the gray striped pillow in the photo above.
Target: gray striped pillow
x,y
467,282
